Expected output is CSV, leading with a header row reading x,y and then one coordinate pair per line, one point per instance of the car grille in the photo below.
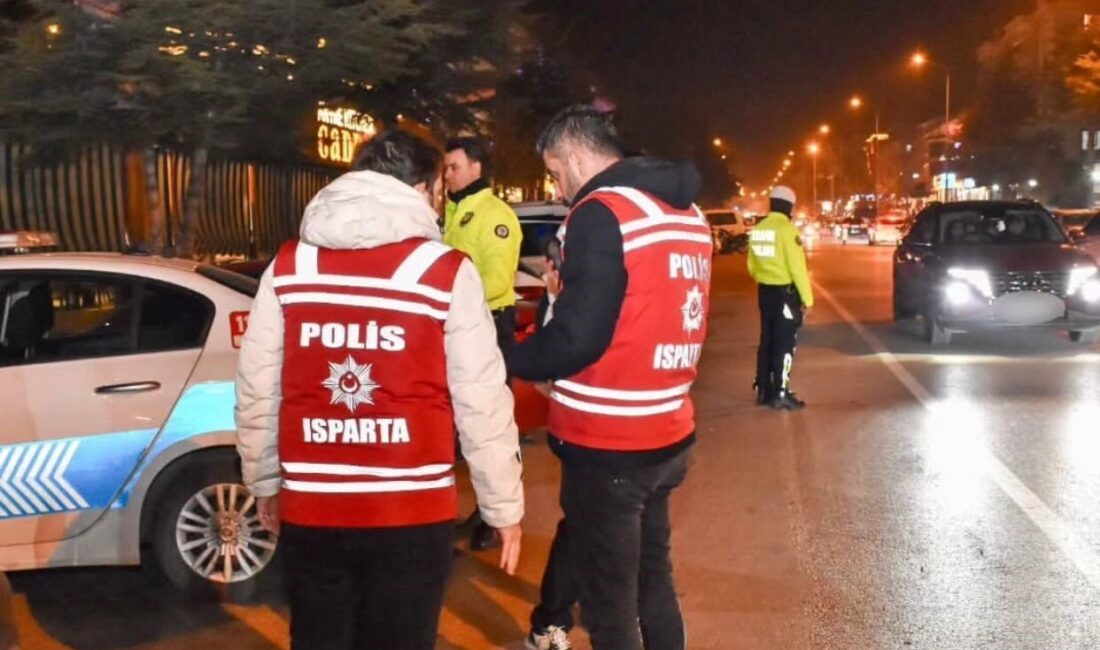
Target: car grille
x,y
1053,282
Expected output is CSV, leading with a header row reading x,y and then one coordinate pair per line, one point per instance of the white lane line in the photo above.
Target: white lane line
x,y
1045,519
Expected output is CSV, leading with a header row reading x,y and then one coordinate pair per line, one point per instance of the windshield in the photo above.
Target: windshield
x,y
536,234
235,281
721,218
1003,226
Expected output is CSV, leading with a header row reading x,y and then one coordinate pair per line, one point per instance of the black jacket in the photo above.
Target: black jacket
x,y
593,275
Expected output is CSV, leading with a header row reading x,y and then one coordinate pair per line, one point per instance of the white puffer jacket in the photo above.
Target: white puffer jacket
x,y
364,210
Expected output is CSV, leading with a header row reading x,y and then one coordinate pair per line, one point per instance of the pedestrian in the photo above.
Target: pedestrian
x,y
487,230
622,349
369,340
777,262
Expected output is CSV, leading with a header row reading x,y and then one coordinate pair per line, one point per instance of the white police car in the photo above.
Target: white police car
x,y
116,390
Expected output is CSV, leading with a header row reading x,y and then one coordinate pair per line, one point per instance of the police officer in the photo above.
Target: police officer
x,y
778,264
368,343
481,225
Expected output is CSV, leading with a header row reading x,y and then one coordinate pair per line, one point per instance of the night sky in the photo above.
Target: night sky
x,y
764,73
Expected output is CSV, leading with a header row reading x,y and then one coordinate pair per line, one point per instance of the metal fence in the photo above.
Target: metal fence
x,y
248,208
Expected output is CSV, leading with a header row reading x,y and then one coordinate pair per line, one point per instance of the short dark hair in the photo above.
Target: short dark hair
x,y
476,149
584,125
406,157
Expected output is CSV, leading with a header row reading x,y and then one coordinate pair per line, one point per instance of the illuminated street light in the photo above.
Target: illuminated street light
x,y
1033,183
786,163
824,129
855,103
53,29
813,149
718,142
918,60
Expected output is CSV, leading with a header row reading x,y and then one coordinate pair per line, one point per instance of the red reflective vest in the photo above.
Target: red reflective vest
x,y
636,396
365,424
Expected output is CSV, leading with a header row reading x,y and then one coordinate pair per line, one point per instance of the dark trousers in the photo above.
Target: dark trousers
x,y
780,319
505,321
619,542
365,589
558,592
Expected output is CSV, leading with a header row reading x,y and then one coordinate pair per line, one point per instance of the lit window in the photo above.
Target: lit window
x,y
1084,140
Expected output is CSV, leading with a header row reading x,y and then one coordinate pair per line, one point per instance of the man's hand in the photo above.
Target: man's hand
x,y
806,311
268,508
509,552
552,280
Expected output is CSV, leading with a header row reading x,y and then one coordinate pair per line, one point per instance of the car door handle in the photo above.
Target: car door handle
x,y
135,387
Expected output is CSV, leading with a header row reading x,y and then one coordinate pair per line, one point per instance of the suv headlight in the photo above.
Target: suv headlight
x,y
1083,279
977,279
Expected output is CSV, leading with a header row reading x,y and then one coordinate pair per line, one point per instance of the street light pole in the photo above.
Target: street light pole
x,y
814,213
875,150
947,135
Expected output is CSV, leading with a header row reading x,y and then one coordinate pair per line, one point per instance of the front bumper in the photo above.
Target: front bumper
x,y
1022,310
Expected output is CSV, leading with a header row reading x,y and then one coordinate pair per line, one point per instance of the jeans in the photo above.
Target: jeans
x,y
619,543
372,588
558,592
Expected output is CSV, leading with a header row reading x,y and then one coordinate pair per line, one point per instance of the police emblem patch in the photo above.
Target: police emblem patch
x,y
350,383
466,218
502,231
693,310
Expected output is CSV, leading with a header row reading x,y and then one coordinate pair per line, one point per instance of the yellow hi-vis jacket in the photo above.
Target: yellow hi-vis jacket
x,y
776,256
487,230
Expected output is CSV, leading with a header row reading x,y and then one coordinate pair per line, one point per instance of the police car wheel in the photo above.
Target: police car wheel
x,y
207,539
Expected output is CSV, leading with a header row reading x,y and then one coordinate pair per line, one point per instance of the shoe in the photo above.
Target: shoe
x,y
484,538
761,394
787,402
549,638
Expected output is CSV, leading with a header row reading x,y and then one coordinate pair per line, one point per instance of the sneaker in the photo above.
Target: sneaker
x,y
549,638
788,402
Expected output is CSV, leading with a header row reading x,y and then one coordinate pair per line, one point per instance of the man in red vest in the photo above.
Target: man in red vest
x,y
622,351
368,342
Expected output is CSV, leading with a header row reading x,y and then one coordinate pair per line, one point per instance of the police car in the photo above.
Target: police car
x,y
116,385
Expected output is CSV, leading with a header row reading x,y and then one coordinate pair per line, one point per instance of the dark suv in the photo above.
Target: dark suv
x,y
988,264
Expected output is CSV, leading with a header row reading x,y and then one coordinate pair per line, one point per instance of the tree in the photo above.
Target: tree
x,y
221,76
524,103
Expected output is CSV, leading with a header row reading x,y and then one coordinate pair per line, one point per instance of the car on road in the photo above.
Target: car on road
x,y
994,264
852,230
1073,221
1088,239
730,229
117,379
888,228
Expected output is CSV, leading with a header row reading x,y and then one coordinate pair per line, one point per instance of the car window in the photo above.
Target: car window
x,y
536,234
722,218
60,317
172,318
924,230
1093,229
1008,226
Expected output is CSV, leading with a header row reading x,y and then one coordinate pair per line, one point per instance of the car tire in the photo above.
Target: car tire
x,y
934,334
1086,338
206,522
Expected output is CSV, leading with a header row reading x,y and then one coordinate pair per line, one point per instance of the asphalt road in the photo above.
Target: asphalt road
x,y
925,499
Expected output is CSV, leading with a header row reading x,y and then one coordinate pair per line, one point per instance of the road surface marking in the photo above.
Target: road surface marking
x,y
1040,514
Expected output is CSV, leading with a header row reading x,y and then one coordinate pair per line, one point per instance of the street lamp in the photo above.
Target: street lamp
x,y
814,149
920,60
855,103
718,142
824,129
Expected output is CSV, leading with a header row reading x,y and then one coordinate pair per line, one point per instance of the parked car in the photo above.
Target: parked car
x,y
852,230
980,265
117,380
888,228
